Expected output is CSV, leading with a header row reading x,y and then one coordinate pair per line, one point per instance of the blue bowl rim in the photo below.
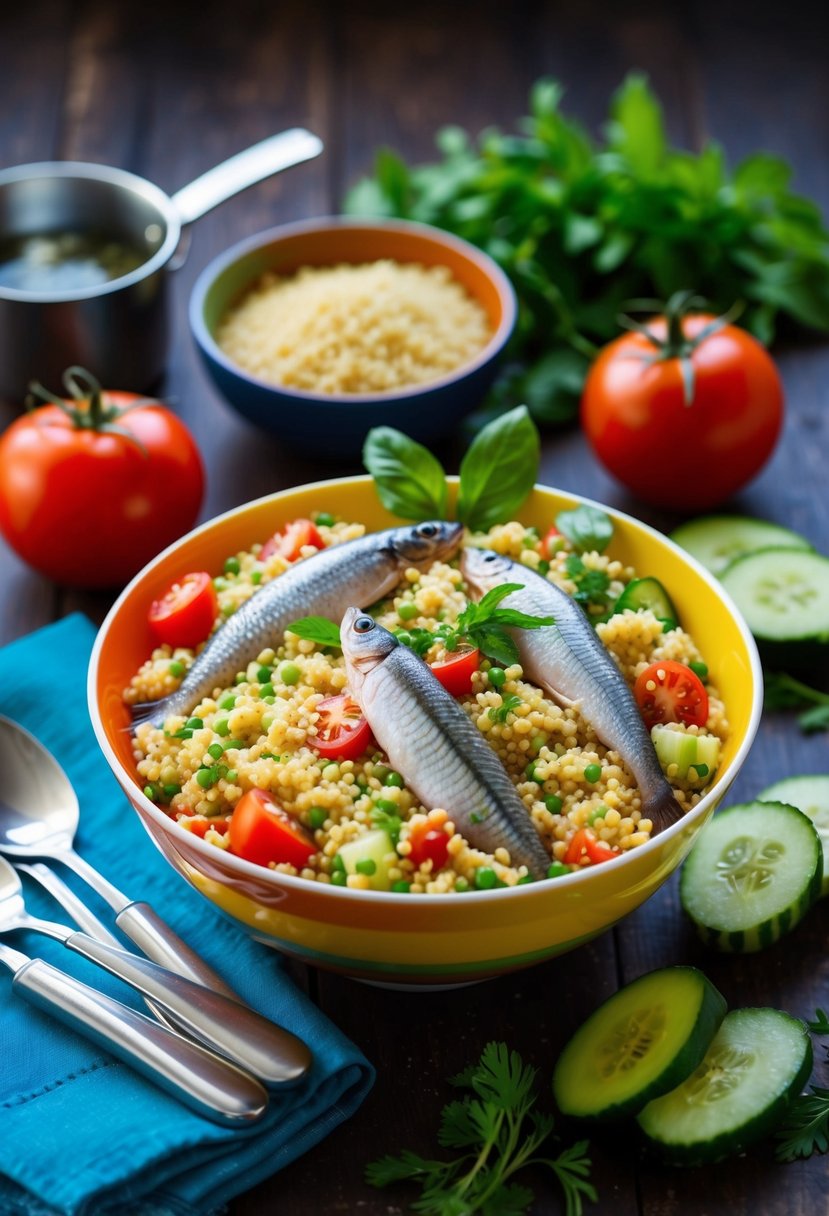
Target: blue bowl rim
x,y
437,236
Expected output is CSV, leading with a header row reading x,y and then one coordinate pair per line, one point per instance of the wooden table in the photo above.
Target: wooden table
x,y
169,95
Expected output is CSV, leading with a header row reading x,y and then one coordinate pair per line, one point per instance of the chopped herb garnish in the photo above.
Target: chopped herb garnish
x,y
500,713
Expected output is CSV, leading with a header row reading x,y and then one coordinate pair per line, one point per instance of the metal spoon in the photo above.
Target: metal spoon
x,y
209,1016
207,1083
38,818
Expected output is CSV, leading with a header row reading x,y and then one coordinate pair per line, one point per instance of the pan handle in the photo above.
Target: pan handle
x,y
271,156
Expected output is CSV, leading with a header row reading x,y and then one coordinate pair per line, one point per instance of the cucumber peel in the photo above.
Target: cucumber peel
x,y
810,794
716,540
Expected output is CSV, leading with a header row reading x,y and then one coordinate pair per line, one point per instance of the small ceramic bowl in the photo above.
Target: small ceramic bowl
x,y
431,939
335,425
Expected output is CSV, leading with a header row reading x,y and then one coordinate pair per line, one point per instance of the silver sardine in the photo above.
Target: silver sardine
x,y
570,663
432,743
354,572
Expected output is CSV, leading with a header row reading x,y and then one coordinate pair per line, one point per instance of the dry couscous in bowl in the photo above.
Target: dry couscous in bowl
x,y
446,917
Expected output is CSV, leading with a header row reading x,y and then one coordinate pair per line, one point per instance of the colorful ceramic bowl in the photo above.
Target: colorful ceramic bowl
x,y
335,425
431,939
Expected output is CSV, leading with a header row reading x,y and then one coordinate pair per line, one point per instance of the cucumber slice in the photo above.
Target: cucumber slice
x,y
754,872
716,540
810,794
643,593
695,756
759,1060
782,593
371,855
642,1042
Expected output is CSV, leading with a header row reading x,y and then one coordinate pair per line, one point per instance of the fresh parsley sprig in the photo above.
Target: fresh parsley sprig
x,y
496,1131
805,1126
783,691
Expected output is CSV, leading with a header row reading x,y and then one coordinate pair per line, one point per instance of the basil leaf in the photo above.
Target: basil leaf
x,y
495,644
317,629
499,470
587,528
410,481
519,620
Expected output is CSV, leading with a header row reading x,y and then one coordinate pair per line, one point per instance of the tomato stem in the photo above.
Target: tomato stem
x,y
89,413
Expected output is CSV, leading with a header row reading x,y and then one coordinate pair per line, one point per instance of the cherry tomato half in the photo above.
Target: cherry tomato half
x,y
342,731
289,541
428,844
456,672
670,692
263,832
548,544
584,844
185,613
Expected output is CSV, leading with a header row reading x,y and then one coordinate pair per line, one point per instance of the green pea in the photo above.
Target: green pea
x,y
557,870
207,777
232,565
337,863
408,611
267,722
317,816
339,878
530,771
220,583
176,668
222,727
171,790
598,812
402,887
593,773
366,865
228,701
553,804
232,776
326,519
263,675
524,879
256,577
265,691
543,567
387,806
193,724
380,771
149,792
234,743
699,669
289,673
394,779
497,677
461,885
216,751
485,878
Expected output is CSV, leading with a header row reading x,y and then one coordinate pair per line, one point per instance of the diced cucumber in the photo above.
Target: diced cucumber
x,y
696,756
716,540
642,593
759,1060
810,794
371,855
642,1042
784,596
753,873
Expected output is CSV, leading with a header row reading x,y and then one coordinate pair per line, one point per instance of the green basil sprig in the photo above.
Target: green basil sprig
x,y
588,529
497,473
317,629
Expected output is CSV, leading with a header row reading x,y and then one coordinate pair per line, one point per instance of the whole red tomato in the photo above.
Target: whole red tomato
x,y
681,414
94,487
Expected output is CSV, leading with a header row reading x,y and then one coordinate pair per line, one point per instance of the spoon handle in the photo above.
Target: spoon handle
x,y
207,1083
234,1029
154,937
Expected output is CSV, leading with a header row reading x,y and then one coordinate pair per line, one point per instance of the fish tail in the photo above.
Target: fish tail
x,y
662,808
146,711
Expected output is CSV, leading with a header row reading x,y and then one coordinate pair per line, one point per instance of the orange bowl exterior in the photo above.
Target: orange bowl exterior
x,y
441,939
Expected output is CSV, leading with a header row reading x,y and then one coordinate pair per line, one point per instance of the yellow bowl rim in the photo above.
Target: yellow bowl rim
x,y
249,870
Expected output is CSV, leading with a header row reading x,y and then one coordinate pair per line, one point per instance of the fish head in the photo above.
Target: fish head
x,y
484,569
365,645
425,543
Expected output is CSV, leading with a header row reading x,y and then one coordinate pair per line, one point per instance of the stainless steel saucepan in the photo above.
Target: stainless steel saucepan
x,y
118,328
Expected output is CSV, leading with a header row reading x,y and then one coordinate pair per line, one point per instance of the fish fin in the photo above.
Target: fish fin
x,y
558,697
144,712
662,809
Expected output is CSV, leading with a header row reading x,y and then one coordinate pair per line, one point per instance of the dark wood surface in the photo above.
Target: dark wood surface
x,y
169,93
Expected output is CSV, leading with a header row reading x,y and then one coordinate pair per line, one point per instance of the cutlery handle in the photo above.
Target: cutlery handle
x,y
154,937
207,1083
228,1026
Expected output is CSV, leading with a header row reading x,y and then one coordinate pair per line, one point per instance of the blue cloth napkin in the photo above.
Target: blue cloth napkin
x,y
80,1132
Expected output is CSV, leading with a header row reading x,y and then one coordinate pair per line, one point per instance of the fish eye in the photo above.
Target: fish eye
x,y
364,624
427,530
491,557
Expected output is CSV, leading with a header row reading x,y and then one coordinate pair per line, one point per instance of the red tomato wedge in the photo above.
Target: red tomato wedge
x,y
456,672
548,543
263,832
342,731
670,692
289,541
429,844
185,613
584,844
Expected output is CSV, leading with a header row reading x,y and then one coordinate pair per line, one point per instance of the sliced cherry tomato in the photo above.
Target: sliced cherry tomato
x,y
456,672
198,825
185,613
549,542
289,541
429,844
670,692
584,844
263,832
342,731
